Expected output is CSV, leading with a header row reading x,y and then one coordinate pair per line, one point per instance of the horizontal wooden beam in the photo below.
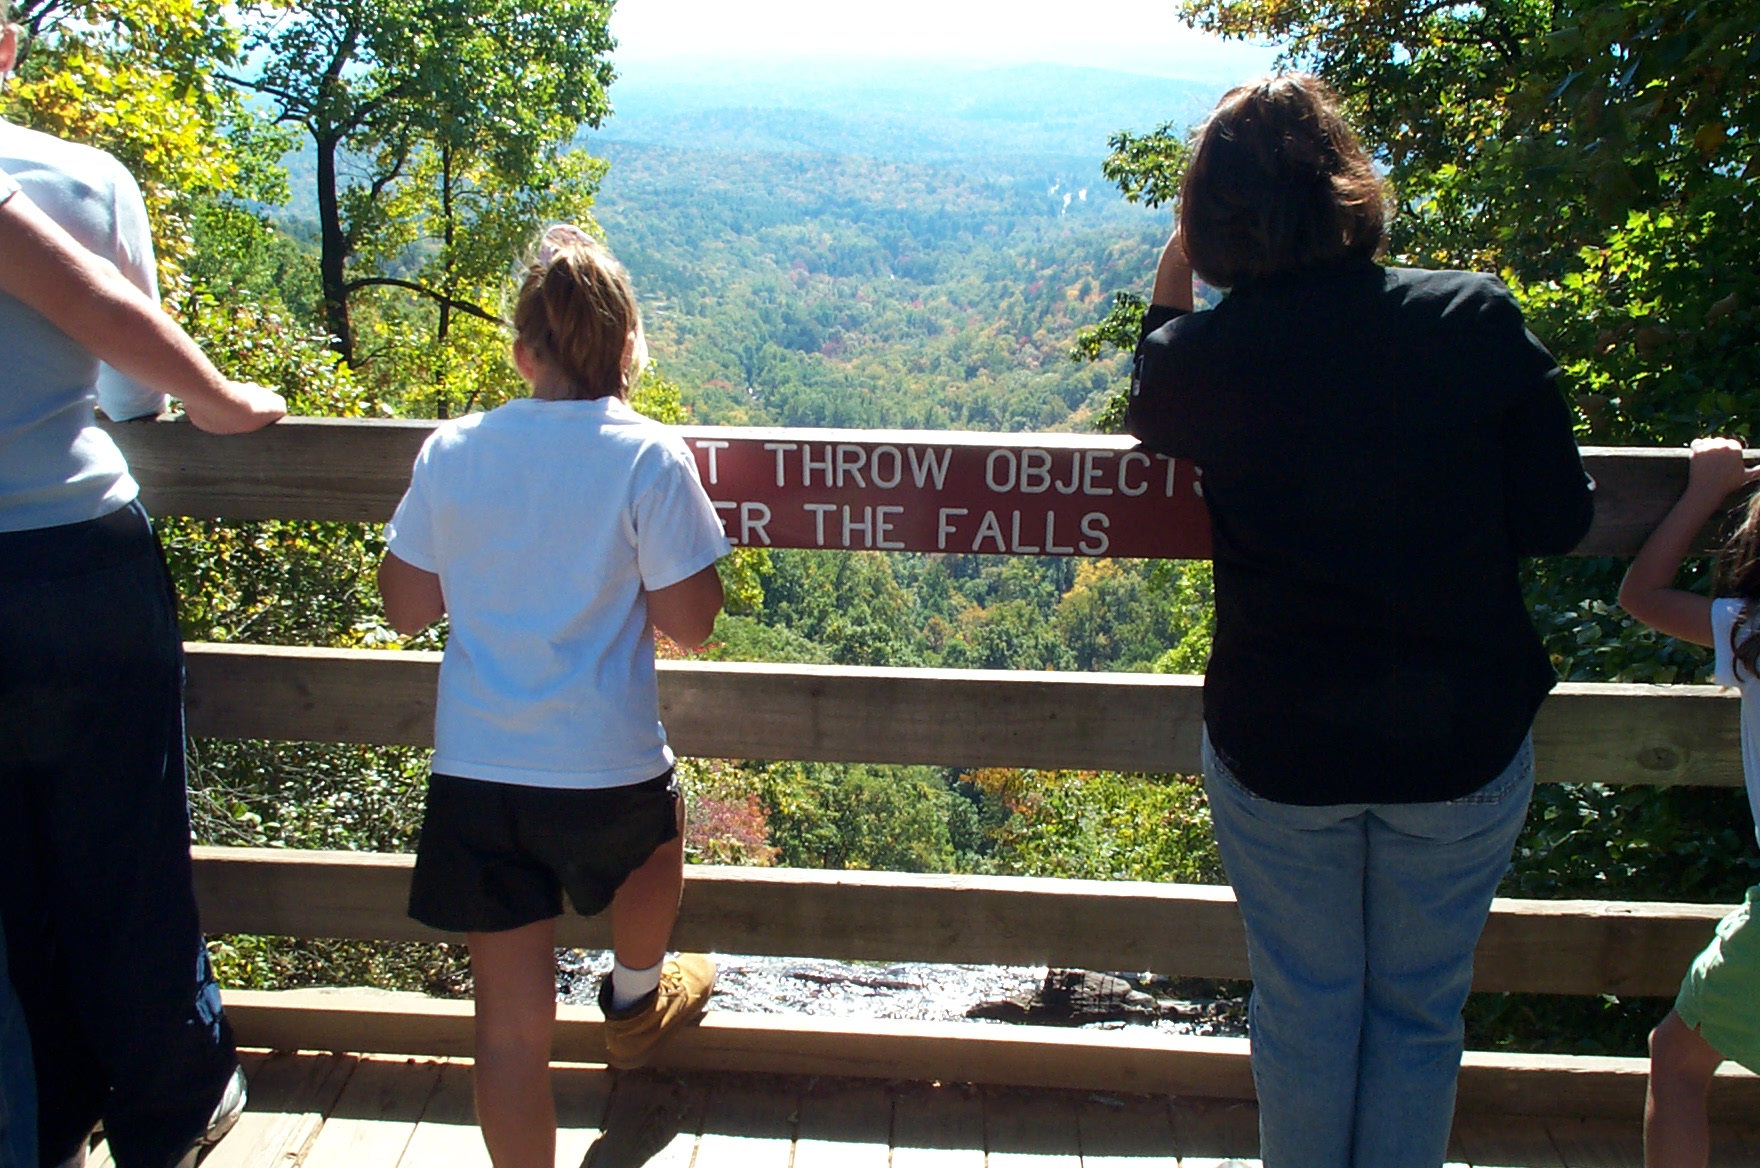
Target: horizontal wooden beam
x,y
1533,946
356,469
1137,1060
1134,722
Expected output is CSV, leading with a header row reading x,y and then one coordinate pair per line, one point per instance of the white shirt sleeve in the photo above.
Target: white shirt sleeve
x,y
678,533
8,188
410,534
120,397
1725,611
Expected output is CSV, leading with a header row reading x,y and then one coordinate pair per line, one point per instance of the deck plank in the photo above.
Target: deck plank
x,y
844,1123
749,1122
1031,1129
448,1135
1506,1142
937,1126
652,1121
376,1114
1214,1133
583,1095
290,1094
1126,1131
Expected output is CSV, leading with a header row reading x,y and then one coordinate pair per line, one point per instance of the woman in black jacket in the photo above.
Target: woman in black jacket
x,y
1379,446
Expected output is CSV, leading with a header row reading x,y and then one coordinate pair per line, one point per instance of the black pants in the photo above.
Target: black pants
x,y
105,948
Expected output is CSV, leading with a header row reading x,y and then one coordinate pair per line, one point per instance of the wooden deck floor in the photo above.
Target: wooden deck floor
x,y
346,1111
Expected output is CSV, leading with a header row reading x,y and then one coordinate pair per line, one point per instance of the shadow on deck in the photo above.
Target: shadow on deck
x,y
349,1111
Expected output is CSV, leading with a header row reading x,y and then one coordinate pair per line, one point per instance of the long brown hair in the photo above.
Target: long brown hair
x,y
1277,182
577,312
1738,575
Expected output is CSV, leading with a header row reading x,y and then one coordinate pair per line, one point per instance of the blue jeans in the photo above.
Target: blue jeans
x,y
18,1082
1361,925
105,947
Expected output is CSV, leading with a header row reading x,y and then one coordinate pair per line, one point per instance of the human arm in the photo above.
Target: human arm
x,y
412,596
686,611
1714,470
1155,410
1548,498
87,298
1173,276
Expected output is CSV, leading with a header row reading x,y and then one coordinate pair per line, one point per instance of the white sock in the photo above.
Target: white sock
x,y
629,986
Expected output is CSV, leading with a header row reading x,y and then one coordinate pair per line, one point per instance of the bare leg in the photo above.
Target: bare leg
x,y
646,904
515,977
1677,1133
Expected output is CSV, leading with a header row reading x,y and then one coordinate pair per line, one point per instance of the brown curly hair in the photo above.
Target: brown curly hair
x,y
1277,182
577,313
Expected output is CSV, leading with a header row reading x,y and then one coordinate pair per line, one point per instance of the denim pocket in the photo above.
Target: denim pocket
x,y
1215,768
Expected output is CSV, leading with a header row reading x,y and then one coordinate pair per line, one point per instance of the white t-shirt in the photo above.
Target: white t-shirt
x,y
547,523
1724,614
56,466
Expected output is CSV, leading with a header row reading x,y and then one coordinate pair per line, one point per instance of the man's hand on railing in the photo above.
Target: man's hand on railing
x,y
233,407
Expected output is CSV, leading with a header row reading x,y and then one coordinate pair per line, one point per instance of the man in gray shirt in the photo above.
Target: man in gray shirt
x,y
104,946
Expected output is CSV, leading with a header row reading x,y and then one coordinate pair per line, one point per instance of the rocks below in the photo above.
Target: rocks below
x,y
981,994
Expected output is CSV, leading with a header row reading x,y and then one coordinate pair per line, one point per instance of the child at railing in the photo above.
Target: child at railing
x,y
1717,1014
558,532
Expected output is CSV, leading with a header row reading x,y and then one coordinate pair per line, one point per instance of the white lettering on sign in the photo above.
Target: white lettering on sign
x,y
725,507
713,447
781,448
1019,547
866,526
1090,472
1098,541
818,510
850,461
1035,471
1171,467
1124,488
944,528
1052,548
881,479
990,528
990,471
930,468
808,466
1075,474
753,517
882,526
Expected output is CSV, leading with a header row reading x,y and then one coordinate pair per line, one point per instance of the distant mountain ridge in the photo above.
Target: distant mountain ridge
x,y
907,111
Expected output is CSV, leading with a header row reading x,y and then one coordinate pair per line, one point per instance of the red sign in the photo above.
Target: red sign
x,y
947,491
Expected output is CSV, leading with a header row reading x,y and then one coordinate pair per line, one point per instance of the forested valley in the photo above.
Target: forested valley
x,y
827,265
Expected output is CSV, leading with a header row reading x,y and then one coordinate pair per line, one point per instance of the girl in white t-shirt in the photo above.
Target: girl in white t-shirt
x,y
1717,1013
557,532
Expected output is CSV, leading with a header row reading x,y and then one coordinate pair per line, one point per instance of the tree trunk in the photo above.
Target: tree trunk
x,y
333,257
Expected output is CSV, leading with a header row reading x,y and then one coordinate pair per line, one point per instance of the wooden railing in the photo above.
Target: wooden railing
x,y
305,469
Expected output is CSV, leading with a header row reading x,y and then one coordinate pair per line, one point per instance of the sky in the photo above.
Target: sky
x,y
1129,35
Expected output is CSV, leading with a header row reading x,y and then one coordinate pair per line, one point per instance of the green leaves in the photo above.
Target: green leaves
x,y
1147,167
456,117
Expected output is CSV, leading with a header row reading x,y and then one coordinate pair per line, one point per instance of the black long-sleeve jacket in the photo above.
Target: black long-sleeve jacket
x,y
1378,447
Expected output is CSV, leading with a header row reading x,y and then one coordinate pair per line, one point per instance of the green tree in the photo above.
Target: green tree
x,y
470,100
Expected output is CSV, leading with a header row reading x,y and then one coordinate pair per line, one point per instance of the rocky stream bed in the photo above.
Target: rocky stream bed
x,y
981,994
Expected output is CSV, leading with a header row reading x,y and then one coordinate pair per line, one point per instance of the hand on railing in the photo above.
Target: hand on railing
x,y
233,407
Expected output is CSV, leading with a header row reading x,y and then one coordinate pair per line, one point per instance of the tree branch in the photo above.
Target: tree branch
x,y
437,297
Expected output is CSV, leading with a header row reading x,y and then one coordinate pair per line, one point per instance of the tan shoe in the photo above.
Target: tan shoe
x,y
632,1034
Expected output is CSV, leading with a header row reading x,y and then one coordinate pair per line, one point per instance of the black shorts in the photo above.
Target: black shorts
x,y
497,856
